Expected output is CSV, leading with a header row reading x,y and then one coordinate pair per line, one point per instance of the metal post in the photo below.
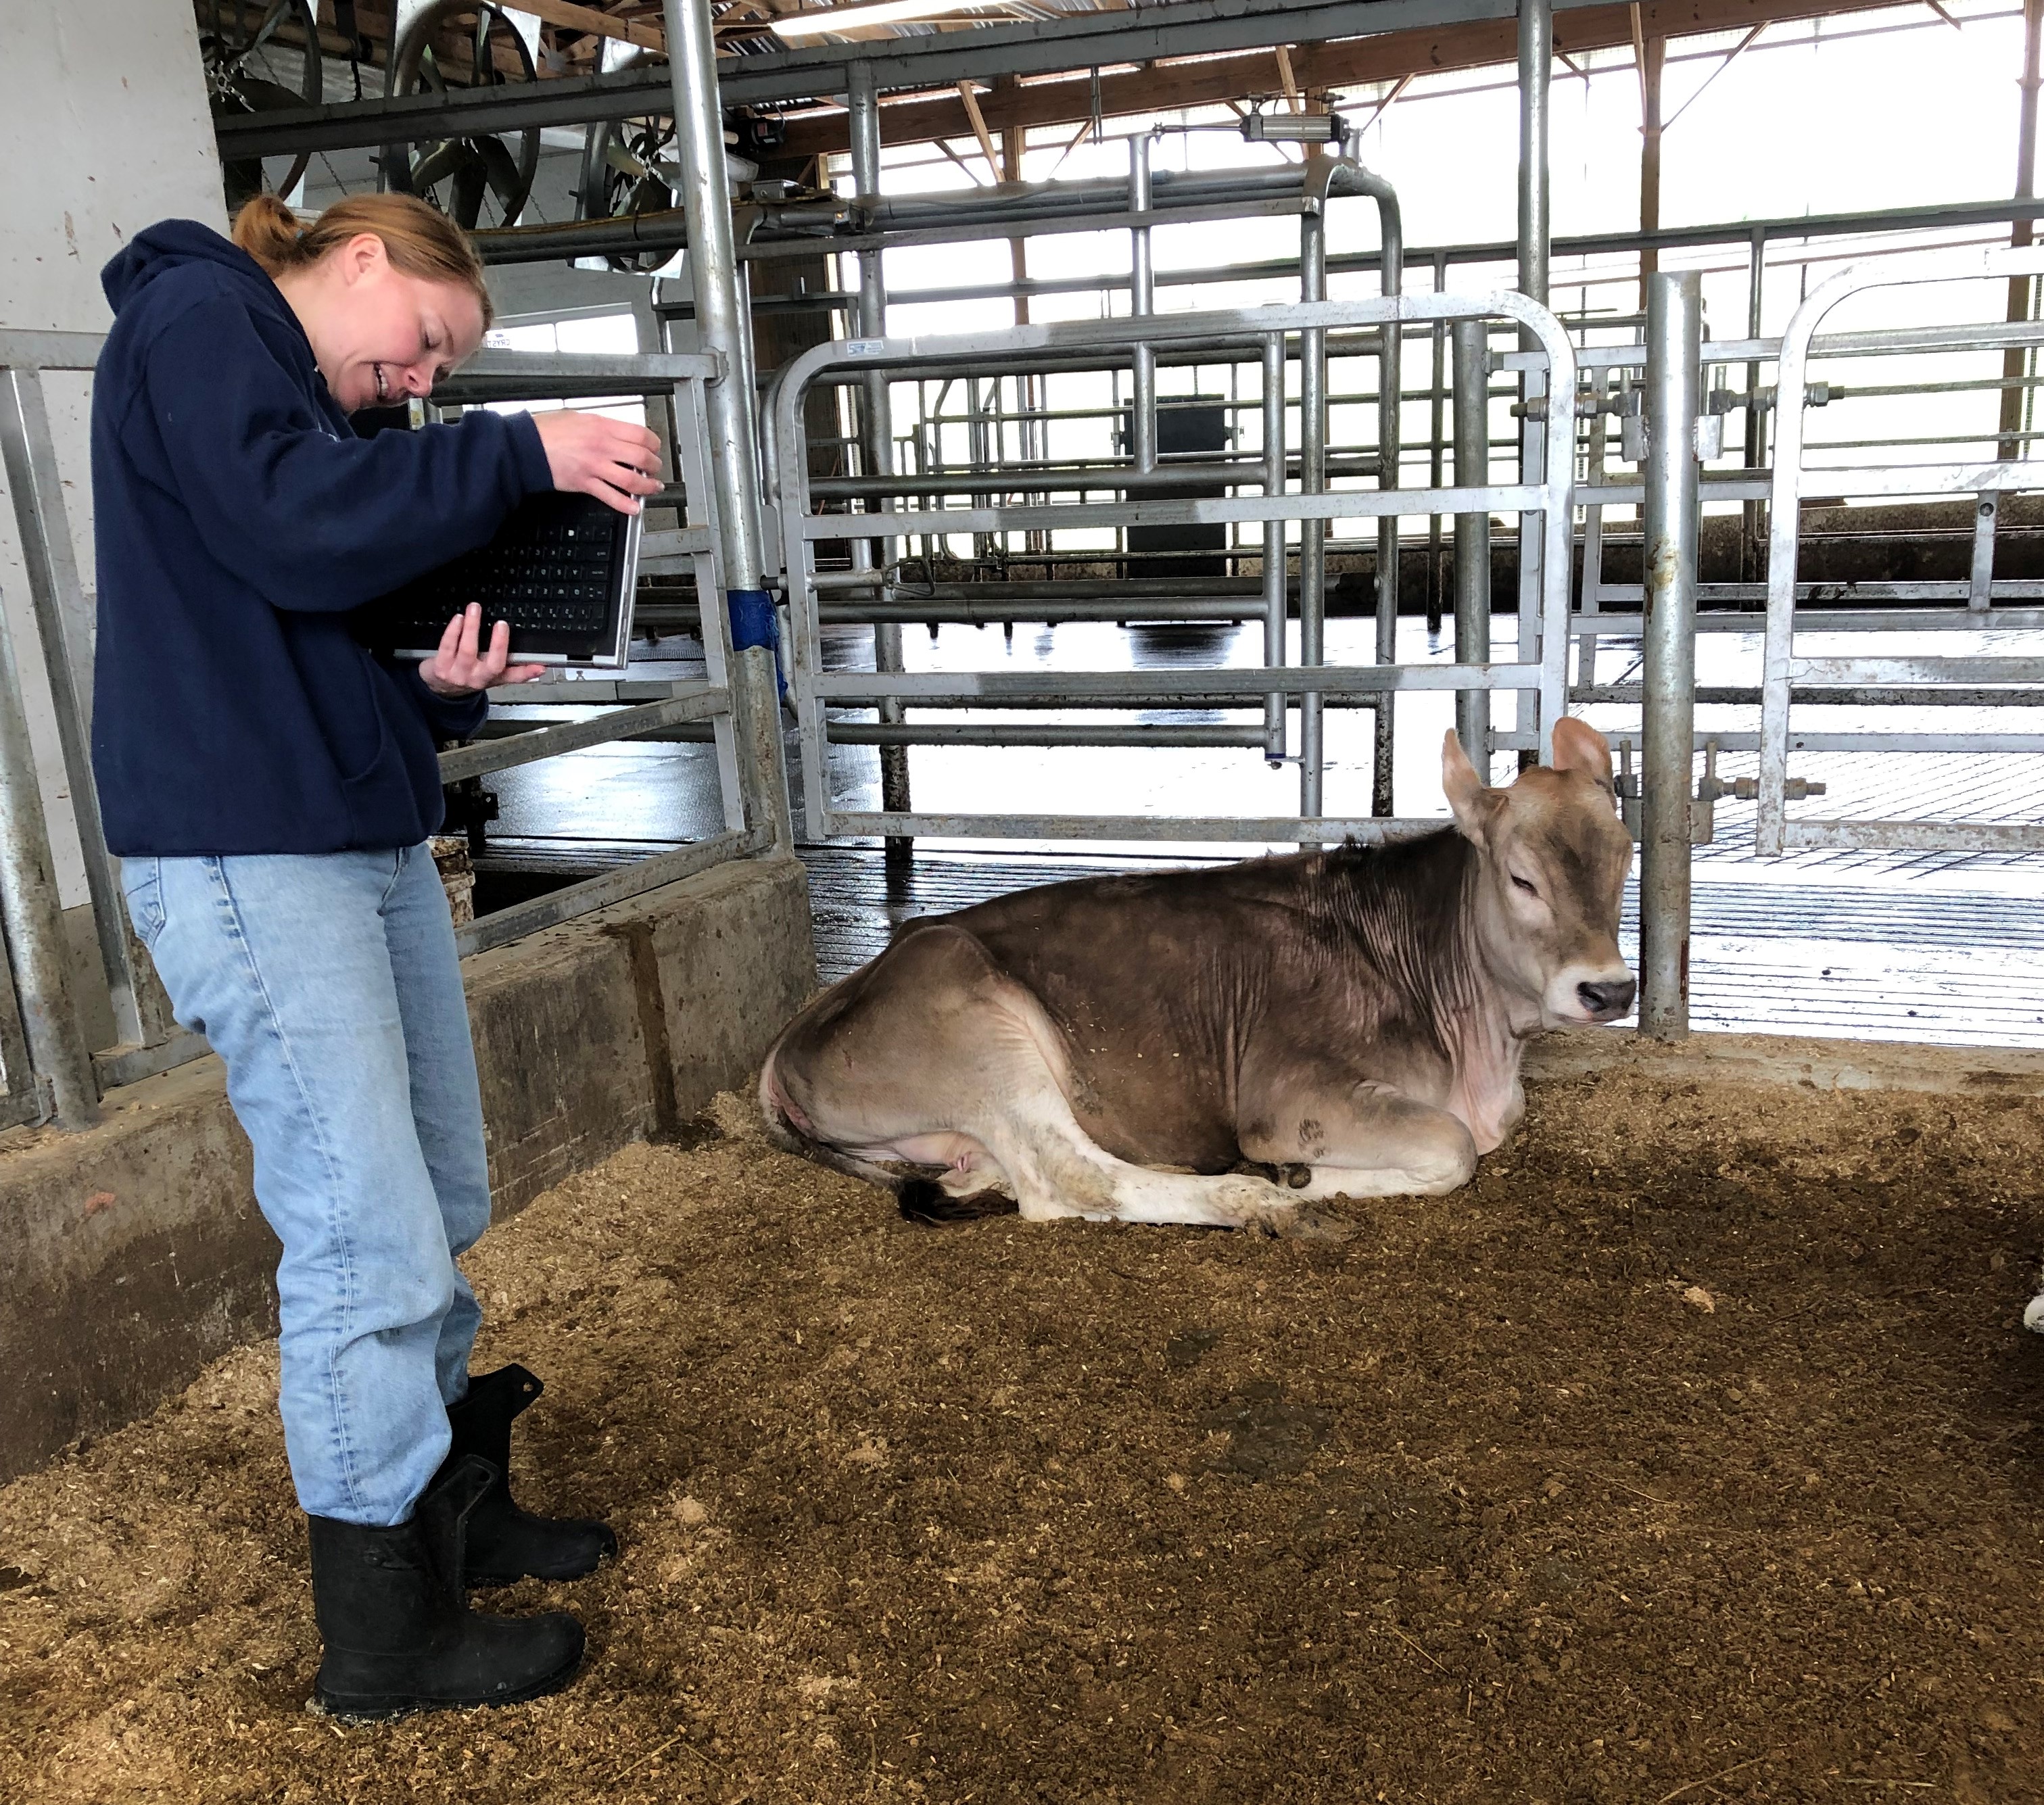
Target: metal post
x,y
2015,359
1142,304
1536,61
1276,611
35,940
1390,391
1652,53
728,401
141,1012
1674,340
1472,362
1754,452
877,426
1312,481
1434,453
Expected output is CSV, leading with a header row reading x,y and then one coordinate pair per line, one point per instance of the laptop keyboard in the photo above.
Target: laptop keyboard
x,y
557,571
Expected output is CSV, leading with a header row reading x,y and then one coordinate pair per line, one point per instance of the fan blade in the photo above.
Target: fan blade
x,y
268,97
623,161
444,159
503,170
465,206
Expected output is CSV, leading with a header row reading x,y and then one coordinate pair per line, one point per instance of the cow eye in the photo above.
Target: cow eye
x,y
1523,885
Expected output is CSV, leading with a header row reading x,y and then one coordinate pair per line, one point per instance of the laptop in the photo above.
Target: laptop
x,y
562,569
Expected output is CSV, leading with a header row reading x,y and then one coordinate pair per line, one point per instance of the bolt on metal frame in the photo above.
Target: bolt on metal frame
x,y
1781,670
47,1072
1245,334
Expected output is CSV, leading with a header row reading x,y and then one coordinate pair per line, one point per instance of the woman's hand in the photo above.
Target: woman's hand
x,y
460,667
593,455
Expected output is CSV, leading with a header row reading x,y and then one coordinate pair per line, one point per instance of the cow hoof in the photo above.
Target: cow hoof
x,y
1301,1224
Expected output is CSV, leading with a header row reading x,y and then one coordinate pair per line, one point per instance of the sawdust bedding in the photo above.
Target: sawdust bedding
x,y
1691,1453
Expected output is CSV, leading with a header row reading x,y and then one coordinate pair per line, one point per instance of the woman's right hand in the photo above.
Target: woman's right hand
x,y
591,453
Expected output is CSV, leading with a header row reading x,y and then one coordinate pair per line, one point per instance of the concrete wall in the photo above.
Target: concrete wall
x,y
103,130
132,1254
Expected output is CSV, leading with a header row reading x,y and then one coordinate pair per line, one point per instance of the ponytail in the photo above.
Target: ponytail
x,y
419,242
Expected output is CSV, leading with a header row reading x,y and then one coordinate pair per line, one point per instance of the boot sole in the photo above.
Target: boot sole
x,y
381,1708
557,1577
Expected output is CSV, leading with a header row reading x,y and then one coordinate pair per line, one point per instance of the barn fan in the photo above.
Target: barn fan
x,y
628,168
479,181
259,59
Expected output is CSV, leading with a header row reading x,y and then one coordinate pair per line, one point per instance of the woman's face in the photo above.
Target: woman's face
x,y
381,336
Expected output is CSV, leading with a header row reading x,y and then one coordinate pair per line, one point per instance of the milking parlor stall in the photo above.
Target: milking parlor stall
x,y
1258,986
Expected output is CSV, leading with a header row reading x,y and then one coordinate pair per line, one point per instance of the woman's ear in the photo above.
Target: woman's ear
x,y
362,256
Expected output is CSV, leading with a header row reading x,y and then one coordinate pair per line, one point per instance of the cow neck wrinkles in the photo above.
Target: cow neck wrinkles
x,y
1410,908
1407,906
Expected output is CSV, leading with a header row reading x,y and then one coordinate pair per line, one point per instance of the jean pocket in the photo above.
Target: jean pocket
x,y
142,885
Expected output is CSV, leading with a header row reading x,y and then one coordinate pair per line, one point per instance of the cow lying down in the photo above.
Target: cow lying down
x,y
1348,1023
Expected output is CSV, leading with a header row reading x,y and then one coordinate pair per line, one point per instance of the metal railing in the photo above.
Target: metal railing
x,y
1912,678
47,1069
1269,337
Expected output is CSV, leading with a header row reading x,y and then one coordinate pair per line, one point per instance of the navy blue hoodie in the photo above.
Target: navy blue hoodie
x,y
240,521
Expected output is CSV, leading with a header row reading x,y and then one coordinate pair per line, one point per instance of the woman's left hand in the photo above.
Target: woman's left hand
x,y
461,666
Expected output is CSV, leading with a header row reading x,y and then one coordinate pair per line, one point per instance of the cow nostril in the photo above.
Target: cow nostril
x,y
1608,999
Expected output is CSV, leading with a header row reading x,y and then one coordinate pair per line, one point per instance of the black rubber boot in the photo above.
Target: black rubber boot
x,y
395,1619
505,1543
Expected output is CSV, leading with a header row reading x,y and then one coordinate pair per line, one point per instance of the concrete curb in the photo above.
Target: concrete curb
x,y
135,1253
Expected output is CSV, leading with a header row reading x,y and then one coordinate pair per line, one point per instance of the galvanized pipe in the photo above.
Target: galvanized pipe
x,y
1276,586
1142,304
1536,63
1673,398
36,944
1312,481
712,261
1470,339
876,413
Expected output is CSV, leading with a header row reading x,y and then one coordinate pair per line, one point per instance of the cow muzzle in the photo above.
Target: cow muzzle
x,y
1587,994
1608,999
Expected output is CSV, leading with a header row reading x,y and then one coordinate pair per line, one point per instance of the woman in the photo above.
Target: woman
x,y
269,785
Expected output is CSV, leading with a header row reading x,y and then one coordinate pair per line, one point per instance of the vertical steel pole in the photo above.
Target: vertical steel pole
x,y
1142,304
1312,481
1472,416
1435,450
1276,610
34,939
1536,62
877,427
1754,455
728,401
1674,341
1390,393
2016,360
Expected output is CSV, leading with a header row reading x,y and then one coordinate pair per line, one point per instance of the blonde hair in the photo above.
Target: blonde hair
x,y
419,242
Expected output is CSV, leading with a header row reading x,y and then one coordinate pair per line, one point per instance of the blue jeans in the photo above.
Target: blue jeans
x,y
328,984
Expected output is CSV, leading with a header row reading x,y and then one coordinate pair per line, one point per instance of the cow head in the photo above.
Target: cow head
x,y
1553,860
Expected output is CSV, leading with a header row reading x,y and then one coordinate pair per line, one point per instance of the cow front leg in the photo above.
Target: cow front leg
x,y
1358,1140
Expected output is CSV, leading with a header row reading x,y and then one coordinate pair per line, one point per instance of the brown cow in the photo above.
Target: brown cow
x,y
1119,1047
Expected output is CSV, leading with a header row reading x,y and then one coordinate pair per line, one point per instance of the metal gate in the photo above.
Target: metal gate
x,y
998,502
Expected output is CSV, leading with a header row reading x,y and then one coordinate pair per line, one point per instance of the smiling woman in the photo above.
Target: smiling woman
x,y
268,783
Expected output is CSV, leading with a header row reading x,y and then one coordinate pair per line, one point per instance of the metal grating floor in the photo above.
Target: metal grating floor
x,y
1890,963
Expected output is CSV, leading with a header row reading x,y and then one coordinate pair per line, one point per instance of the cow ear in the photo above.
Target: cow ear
x,y
1578,747
1472,803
